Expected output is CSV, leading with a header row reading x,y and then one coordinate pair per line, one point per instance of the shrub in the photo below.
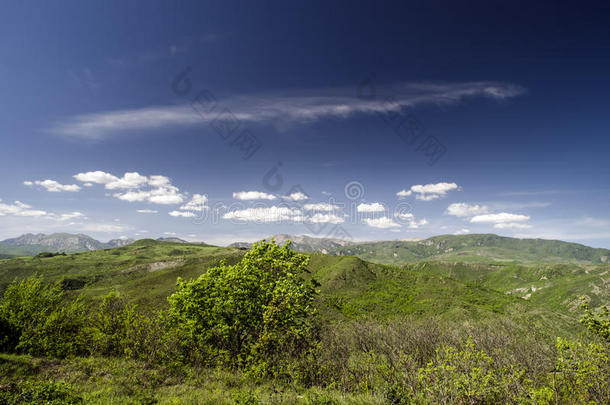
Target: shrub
x,y
599,325
35,319
254,315
583,372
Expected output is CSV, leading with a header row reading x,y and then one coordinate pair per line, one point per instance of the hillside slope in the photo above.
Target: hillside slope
x,y
146,272
487,248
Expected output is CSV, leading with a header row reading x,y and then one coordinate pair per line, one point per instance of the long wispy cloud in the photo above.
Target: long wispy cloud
x,y
281,109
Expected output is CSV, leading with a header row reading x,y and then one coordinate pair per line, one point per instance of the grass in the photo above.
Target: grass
x,y
118,381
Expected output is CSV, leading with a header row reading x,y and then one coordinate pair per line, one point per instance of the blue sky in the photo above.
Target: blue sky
x,y
231,121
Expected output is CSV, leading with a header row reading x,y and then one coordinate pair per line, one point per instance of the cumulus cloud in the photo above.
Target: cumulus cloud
x,y
53,186
266,214
197,203
129,180
373,207
297,196
466,210
428,192
282,108
253,195
147,211
409,219
327,207
320,218
97,177
502,217
382,222
155,189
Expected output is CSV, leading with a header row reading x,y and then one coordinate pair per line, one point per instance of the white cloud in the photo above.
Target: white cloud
x,y
298,196
410,221
133,196
382,222
129,180
165,196
373,207
503,217
170,233
320,207
428,192
283,107
159,181
326,218
97,177
20,209
466,210
184,214
69,216
160,190
147,211
53,186
265,214
198,203
416,224
511,225
253,195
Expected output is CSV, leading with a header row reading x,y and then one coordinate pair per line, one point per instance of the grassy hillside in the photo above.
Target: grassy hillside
x,y
482,248
146,273
557,287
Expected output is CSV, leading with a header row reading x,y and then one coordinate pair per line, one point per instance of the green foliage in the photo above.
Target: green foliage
x,y
599,325
110,325
251,314
583,372
38,392
44,255
466,375
36,319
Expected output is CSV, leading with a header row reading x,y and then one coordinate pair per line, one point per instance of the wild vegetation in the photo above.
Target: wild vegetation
x,y
270,325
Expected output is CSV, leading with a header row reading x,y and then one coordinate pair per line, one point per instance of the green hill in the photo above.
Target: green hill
x,y
483,248
146,272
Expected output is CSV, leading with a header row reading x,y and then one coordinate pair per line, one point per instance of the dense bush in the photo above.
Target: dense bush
x,y
36,319
599,325
254,315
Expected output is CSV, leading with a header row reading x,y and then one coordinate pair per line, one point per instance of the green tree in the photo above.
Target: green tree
x,y
250,315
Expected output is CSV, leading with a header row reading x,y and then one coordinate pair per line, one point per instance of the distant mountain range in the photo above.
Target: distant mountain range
x,y
302,243
31,244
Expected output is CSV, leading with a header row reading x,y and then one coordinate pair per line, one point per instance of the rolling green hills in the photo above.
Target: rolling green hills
x,y
146,272
482,248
